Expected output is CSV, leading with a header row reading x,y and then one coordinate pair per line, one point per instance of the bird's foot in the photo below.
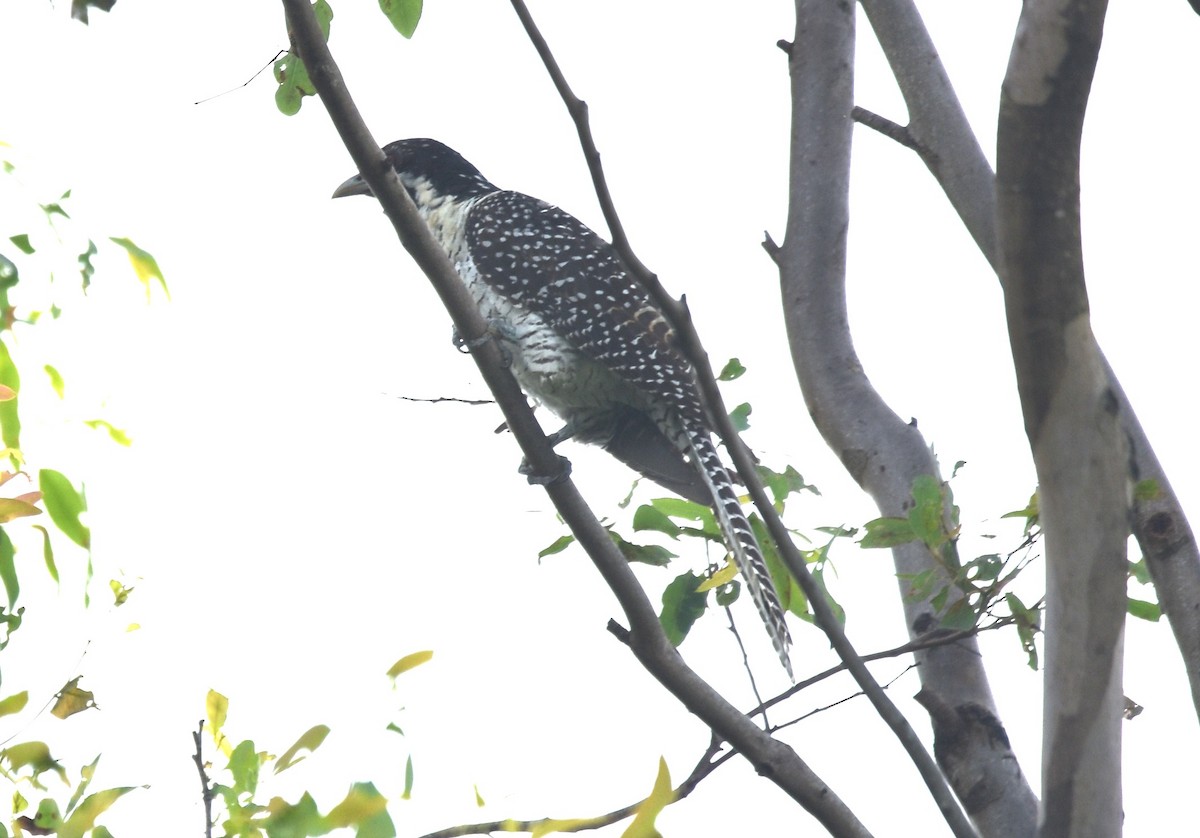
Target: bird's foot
x,y
535,479
497,330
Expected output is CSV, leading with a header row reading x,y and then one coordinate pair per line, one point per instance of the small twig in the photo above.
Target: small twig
x,y
840,701
618,631
707,763
746,663
889,129
205,783
246,82
453,399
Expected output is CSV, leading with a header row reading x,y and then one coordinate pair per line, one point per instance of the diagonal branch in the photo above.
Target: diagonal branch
x,y
743,459
770,757
711,760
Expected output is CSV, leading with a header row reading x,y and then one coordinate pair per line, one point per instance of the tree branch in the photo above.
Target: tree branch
x,y
743,460
649,644
708,763
206,789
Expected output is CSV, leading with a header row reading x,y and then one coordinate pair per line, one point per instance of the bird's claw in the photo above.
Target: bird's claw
x,y
535,479
494,332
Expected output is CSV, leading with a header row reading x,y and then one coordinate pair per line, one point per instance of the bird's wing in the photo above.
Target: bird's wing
x,y
551,263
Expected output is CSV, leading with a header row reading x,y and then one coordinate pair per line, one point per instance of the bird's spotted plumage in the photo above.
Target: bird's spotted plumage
x,y
584,337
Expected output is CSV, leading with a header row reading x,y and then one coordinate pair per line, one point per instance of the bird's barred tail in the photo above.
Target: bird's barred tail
x,y
741,542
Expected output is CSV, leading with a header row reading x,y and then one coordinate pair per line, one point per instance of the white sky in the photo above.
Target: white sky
x,y
293,527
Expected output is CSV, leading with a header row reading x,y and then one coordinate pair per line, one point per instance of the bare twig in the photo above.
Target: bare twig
x,y
450,399
206,789
892,130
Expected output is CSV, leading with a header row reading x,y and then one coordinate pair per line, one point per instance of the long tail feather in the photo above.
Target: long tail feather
x,y
741,542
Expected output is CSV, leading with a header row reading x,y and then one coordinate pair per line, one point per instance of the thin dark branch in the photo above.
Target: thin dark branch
x,y
841,701
746,664
649,644
709,762
206,789
451,399
743,460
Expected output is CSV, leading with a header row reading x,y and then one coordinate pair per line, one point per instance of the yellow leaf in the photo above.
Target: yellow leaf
x,y
144,265
310,741
11,508
16,703
216,707
72,699
660,797
722,577
358,805
408,662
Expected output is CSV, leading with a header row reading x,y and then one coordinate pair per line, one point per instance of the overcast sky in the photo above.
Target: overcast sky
x,y
293,525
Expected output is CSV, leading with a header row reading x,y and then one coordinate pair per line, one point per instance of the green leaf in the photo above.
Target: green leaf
x,y
959,617
309,741
86,774
144,265
887,532
35,756
86,269
839,613
648,518
115,434
14,703
1143,610
1140,571
79,8
784,483
561,543
48,553
10,422
661,796
651,554
8,569
408,780
22,243
120,592
682,606
1147,489
93,806
65,506
365,808
732,370
292,75
727,595
56,380
244,764
409,662
52,209
927,515
299,820
478,798
740,417
403,14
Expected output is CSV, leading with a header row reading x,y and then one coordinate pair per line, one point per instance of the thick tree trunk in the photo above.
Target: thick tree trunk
x,y
1072,415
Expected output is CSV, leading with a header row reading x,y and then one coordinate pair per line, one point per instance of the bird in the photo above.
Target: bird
x,y
583,338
